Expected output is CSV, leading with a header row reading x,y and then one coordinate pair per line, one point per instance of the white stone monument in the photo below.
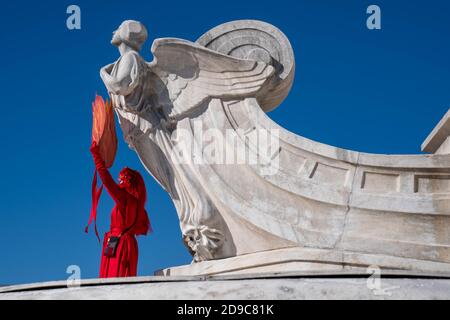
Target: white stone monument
x,y
252,196
265,213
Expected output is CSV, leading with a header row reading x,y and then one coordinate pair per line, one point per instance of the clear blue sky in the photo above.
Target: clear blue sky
x,y
374,91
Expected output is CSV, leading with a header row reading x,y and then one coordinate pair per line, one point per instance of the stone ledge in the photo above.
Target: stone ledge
x,y
299,259
97,282
437,141
269,288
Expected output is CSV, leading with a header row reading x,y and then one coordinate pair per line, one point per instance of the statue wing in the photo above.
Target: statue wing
x,y
193,74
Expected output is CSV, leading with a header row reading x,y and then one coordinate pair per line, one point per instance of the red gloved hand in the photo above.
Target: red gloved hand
x,y
94,147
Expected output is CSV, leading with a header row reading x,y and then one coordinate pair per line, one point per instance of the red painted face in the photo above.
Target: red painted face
x,y
125,179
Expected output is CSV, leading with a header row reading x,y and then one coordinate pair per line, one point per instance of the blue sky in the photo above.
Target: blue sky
x,y
376,91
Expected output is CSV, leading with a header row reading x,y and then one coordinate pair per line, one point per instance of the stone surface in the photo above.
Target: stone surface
x,y
268,286
437,141
297,259
290,192
260,41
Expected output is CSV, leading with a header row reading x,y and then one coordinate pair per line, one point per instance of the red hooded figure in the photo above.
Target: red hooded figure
x,y
128,219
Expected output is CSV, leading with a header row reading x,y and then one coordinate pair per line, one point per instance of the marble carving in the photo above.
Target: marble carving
x,y
303,204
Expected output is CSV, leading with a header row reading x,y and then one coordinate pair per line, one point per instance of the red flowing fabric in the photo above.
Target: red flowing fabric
x,y
123,216
96,193
104,135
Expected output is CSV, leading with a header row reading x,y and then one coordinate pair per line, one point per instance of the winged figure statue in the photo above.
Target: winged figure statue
x,y
154,99
302,205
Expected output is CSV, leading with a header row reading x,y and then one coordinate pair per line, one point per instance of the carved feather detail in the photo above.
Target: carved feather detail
x,y
193,74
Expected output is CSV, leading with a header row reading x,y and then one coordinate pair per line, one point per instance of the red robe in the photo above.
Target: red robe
x,y
124,263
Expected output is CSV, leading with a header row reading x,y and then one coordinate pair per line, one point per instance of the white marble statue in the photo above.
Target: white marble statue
x,y
320,208
153,98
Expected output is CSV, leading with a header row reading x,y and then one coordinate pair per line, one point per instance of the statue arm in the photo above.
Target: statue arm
x,y
126,77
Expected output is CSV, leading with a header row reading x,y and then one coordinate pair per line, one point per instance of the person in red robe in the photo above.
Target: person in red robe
x,y
128,218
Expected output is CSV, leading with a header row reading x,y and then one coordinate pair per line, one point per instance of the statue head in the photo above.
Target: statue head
x,y
132,33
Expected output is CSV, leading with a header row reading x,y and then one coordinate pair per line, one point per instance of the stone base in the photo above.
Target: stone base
x,y
298,259
289,273
344,285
